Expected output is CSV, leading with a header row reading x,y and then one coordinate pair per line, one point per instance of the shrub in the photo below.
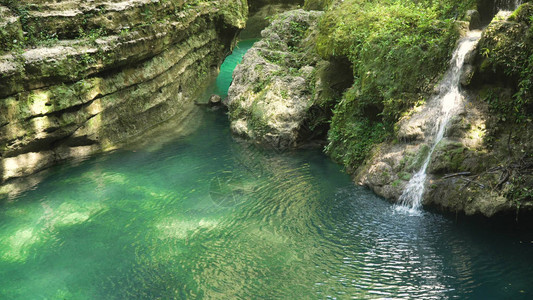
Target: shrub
x,y
398,51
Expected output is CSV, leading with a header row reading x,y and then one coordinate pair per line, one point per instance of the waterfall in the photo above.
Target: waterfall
x,y
449,100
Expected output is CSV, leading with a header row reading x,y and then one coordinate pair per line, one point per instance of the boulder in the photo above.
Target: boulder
x,y
215,100
474,19
270,100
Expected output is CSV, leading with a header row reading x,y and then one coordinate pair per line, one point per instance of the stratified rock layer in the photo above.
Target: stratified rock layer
x,y
99,72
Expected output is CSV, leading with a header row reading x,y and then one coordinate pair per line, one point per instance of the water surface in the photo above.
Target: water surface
x,y
221,84
200,215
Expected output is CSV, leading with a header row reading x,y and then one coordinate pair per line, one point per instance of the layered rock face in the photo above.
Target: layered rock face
x,y
77,77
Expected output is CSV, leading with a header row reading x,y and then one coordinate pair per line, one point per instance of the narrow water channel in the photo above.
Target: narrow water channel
x,y
200,215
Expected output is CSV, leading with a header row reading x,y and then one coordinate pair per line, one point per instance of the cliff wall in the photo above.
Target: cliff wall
x,y
78,77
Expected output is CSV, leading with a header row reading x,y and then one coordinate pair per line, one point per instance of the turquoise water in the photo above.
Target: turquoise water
x,y
221,84
199,215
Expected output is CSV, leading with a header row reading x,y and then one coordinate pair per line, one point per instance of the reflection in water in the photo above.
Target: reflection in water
x,y
148,224
203,216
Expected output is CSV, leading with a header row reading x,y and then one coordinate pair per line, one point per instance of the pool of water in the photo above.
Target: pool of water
x,y
200,215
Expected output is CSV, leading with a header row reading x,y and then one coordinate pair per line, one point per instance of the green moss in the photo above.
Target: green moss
x,y
11,36
351,143
519,189
419,159
404,176
449,157
257,118
413,161
523,14
396,183
506,53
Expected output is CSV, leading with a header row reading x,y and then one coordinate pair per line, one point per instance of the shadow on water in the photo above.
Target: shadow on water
x,y
198,215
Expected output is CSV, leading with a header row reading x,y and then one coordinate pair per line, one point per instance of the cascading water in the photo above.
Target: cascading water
x,y
449,99
506,7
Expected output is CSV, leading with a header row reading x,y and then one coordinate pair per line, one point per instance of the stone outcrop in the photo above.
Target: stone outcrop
x,y
483,166
501,166
277,95
261,12
77,77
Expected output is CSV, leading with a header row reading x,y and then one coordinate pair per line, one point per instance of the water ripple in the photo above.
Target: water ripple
x,y
158,224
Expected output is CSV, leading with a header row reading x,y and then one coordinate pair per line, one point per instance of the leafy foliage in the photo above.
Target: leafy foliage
x,y
506,50
398,50
318,4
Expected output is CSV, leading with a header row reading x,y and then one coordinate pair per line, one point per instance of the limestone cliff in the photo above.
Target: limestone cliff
x,y
77,77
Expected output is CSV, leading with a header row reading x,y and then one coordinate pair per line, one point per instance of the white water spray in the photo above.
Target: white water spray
x,y
449,99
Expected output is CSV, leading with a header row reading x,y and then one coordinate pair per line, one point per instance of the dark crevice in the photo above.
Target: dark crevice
x,y
489,8
337,77
71,142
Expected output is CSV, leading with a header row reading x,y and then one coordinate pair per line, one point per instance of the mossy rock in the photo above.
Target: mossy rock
x,y
448,157
505,49
523,14
11,35
318,4
271,100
